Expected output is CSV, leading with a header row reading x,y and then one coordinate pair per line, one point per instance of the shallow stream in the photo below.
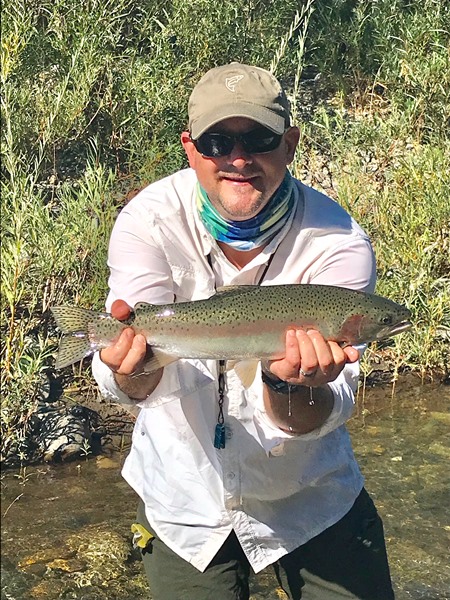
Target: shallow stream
x,y
65,528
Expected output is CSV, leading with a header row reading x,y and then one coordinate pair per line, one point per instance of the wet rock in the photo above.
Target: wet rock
x,y
61,430
378,377
373,430
67,565
103,462
14,584
47,589
42,556
64,433
104,552
56,432
266,587
95,555
420,591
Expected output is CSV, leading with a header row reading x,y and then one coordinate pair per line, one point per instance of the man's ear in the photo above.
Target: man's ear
x,y
291,138
189,148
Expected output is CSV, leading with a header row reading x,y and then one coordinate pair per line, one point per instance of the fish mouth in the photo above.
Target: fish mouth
x,y
394,329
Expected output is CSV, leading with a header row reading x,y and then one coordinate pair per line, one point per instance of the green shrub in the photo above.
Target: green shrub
x,y
94,98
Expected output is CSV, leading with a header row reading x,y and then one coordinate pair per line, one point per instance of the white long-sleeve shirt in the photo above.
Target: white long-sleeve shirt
x,y
275,490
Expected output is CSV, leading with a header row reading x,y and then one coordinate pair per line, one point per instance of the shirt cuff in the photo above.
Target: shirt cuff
x,y
344,401
107,383
179,379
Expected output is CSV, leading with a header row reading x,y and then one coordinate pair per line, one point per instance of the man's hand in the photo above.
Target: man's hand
x,y
311,360
127,355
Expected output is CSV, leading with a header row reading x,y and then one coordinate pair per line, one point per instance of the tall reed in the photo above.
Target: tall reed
x,y
94,97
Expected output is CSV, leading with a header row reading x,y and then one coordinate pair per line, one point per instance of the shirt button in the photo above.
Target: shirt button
x,y
231,475
228,434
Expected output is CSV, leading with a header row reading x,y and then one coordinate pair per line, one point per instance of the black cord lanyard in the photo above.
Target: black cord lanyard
x,y
219,434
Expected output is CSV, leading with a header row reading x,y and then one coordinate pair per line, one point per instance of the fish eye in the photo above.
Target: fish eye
x,y
387,320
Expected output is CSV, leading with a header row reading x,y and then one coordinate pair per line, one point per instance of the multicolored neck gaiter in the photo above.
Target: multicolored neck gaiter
x,y
254,232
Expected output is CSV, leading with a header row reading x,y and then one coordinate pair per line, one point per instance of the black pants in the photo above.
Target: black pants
x,y
347,560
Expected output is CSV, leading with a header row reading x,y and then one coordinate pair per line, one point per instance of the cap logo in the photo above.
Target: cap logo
x,y
231,82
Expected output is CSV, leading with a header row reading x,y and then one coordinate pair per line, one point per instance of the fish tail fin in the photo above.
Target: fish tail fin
x,y
72,349
71,319
74,323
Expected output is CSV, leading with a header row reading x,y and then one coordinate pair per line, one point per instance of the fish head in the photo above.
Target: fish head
x,y
383,319
393,322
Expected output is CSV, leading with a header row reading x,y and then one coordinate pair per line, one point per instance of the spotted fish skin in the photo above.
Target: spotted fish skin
x,y
237,323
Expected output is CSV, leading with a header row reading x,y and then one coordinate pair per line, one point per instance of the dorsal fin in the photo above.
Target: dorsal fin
x,y
231,290
141,306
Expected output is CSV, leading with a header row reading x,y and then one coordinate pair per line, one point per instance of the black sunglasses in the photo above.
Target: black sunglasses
x,y
256,141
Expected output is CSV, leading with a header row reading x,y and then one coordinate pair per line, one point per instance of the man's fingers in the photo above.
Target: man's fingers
x,y
300,352
324,359
292,349
351,353
310,359
134,357
114,355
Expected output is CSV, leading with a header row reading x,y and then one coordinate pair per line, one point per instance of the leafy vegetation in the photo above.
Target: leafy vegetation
x,y
94,97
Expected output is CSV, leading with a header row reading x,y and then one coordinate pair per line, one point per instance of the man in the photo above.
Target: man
x,y
279,485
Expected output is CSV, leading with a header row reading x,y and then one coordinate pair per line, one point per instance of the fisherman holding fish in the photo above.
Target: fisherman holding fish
x,y
235,472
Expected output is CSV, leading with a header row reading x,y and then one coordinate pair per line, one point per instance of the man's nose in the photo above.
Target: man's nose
x,y
238,156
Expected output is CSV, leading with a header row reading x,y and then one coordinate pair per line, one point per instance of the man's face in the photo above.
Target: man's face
x,y
240,184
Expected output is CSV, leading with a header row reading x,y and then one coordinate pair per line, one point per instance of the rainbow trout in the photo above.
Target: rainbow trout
x,y
237,323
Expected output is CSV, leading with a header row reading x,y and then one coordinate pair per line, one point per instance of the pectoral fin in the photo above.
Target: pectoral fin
x,y
158,360
245,370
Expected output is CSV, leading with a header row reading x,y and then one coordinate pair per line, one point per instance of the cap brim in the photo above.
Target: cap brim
x,y
260,114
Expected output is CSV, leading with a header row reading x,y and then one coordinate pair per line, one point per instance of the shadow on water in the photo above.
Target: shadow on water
x,y
65,528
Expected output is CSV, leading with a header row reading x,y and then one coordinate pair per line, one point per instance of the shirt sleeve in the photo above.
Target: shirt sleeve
x,y
139,269
343,389
350,264
139,272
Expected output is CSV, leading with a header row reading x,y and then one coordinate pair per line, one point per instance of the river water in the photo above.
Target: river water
x,y
65,528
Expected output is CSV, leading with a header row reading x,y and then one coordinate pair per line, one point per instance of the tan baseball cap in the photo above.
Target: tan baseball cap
x,y
238,90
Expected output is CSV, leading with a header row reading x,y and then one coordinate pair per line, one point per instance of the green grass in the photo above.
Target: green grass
x,y
397,188
94,98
